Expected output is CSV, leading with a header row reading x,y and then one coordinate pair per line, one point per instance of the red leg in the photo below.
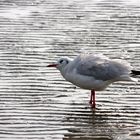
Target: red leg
x,y
92,98
90,101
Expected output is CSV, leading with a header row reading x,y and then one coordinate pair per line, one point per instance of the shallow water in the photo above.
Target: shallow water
x,y
36,102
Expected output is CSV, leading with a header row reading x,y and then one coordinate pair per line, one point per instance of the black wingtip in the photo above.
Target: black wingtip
x,y
135,72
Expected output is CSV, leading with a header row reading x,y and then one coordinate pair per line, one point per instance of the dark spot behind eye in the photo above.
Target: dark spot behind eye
x,y
67,61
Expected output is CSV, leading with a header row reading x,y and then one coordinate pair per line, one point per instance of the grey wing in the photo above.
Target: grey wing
x,y
102,68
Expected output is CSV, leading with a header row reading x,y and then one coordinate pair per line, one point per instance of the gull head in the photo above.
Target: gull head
x,y
61,63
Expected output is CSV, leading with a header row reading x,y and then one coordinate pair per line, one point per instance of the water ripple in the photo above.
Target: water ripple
x,y
36,102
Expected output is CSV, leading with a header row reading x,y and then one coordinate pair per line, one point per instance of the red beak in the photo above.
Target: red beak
x,y
52,65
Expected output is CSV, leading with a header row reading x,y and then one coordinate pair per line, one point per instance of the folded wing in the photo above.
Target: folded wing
x,y
101,67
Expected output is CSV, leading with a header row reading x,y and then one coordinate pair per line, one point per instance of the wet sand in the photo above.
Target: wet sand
x,y
35,101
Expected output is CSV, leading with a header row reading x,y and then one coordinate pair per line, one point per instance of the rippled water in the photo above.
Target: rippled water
x,y
36,102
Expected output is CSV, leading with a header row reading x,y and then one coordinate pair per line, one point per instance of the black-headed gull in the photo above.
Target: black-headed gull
x,y
94,72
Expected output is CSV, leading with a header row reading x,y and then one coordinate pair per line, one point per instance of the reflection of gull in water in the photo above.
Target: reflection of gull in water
x,y
94,72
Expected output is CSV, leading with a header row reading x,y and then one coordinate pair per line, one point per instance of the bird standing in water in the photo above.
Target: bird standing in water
x,y
94,72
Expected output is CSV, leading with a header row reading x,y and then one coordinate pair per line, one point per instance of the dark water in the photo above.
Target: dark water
x,y
36,102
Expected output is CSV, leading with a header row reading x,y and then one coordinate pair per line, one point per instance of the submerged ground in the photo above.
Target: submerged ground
x,y
35,102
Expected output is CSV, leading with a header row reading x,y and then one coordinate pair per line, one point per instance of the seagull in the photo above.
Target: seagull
x,y
94,72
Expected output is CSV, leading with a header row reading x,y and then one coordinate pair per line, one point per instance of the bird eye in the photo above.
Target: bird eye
x,y
61,61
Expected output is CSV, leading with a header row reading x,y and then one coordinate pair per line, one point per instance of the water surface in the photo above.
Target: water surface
x,y
36,102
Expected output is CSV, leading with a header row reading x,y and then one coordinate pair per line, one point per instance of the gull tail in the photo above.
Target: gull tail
x,y
135,72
